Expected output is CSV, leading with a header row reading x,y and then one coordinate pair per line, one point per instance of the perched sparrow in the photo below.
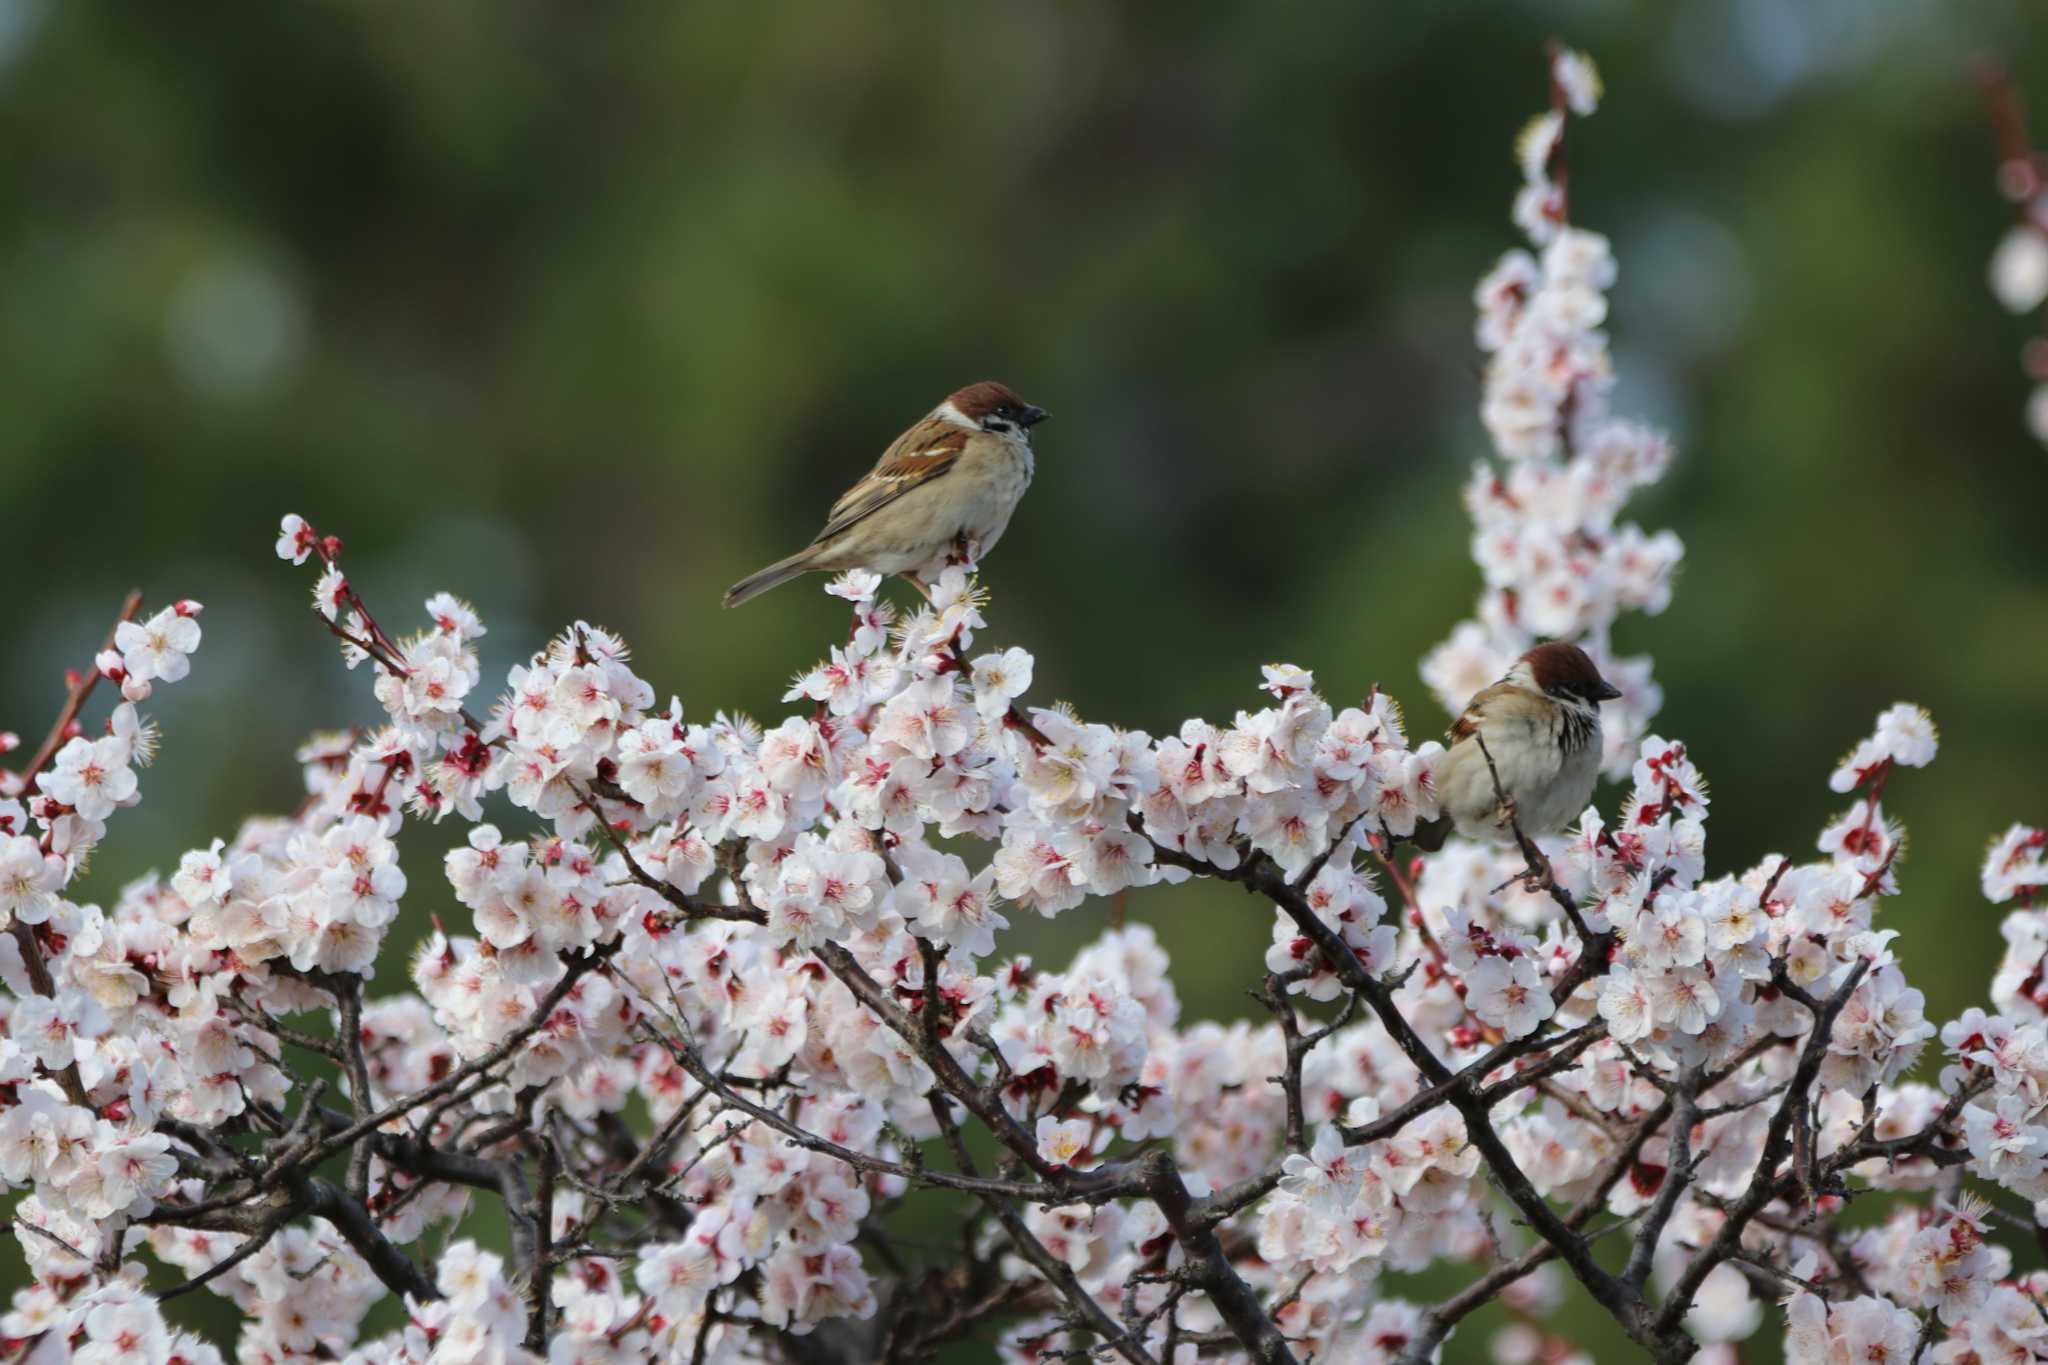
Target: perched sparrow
x,y
944,490
1541,724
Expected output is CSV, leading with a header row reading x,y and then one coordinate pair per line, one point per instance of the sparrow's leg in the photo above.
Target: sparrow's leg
x,y
1536,874
918,583
1510,821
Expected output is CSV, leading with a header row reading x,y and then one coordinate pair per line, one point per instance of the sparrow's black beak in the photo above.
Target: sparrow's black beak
x,y
1032,415
1605,691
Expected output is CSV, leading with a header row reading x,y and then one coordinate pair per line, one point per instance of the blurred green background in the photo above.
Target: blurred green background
x,y
587,310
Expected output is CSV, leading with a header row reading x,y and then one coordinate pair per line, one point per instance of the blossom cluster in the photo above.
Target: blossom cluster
x,y
2019,280
695,1005
1556,563
85,1095
2018,271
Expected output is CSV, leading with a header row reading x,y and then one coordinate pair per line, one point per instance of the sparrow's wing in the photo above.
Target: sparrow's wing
x,y
918,456
1501,708
1467,723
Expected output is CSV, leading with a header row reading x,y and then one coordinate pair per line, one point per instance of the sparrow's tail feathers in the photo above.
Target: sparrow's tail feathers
x,y
1429,835
774,576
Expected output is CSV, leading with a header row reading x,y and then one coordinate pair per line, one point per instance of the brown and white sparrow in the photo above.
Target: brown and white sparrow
x,y
1541,724
944,491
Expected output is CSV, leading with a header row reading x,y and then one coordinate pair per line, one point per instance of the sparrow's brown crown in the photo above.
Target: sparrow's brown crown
x,y
979,402
1565,670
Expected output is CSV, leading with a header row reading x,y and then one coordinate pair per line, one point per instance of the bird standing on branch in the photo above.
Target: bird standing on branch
x,y
1540,726
943,492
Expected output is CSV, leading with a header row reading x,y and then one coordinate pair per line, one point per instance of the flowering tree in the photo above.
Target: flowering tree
x,y
721,999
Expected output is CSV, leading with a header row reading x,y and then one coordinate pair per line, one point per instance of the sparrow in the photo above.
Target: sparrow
x,y
943,491
1541,724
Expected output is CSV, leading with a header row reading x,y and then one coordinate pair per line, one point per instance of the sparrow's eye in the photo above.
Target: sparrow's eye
x,y
1013,417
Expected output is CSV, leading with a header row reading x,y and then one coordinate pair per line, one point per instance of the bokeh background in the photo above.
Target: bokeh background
x,y
585,311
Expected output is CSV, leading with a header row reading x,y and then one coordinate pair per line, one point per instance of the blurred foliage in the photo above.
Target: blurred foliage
x,y
584,311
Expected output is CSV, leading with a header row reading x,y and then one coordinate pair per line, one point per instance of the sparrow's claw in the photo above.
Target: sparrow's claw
x,y
1538,876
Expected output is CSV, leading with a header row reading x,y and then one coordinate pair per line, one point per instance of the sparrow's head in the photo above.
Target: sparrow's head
x,y
1566,673
992,407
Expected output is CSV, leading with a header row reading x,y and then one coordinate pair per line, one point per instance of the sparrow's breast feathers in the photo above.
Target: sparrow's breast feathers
x,y
1579,727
